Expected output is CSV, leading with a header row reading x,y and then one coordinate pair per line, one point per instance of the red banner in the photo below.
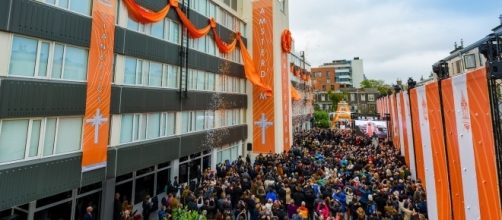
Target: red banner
x,y
99,76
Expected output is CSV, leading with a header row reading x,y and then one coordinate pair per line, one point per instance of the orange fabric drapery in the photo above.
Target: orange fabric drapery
x,y
192,30
143,15
250,71
295,94
224,47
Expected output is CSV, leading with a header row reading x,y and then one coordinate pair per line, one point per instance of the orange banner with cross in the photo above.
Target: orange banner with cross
x,y
99,77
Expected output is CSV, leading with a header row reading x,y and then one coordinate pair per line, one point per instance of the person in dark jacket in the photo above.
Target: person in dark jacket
x,y
117,207
88,214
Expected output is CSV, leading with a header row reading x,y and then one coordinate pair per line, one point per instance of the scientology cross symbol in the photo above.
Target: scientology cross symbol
x,y
263,123
97,121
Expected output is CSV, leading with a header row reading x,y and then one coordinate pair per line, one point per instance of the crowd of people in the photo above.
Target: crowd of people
x,y
327,174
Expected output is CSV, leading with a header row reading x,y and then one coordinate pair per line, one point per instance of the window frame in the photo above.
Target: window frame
x,y
50,60
42,137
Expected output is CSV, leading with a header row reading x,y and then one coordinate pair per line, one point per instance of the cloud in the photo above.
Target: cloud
x,y
395,38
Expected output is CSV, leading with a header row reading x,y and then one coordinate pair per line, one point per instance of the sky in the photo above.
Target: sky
x,y
396,39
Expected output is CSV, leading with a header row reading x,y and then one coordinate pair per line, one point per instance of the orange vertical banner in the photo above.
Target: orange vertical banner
x,y
285,100
263,105
99,75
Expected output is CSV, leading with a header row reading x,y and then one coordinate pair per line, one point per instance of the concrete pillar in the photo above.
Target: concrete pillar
x,y
31,210
214,157
175,169
107,199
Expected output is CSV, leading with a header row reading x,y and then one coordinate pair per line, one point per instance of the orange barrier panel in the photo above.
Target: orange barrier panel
x,y
419,157
454,168
483,143
437,152
404,129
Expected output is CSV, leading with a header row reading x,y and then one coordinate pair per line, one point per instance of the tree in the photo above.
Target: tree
x,y
377,84
336,98
321,119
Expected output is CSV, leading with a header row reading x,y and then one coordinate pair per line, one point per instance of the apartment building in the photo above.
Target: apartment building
x,y
172,113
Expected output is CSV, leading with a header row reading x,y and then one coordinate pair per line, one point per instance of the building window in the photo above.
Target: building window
x,y
149,73
44,59
79,6
140,127
230,117
333,87
282,6
230,152
197,121
458,66
352,97
363,97
166,29
470,61
231,3
371,97
34,138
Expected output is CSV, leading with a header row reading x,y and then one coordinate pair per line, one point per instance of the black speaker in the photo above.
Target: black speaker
x,y
250,147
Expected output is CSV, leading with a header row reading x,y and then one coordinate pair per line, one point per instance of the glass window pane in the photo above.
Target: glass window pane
x,y
158,29
184,122
172,77
174,32
23,56
201,78
229,117
139,72
34,138
126,128
50,135
130,71
210,81
52,2
13,139
163,118
210,45
69,133
75,64
81,6
142,128
155,74
63,3
132,24
199,123
135,132
153,125
57,63
171,123
44,59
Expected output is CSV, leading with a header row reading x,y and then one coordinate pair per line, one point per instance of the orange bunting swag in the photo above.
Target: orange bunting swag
x,y
224,47
295,95
143,15
192,30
